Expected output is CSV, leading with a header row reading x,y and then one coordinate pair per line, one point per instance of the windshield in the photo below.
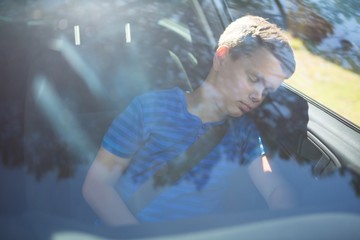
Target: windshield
x,y
325,37
71,67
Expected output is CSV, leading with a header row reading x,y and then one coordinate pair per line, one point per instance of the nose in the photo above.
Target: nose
x,y
257,94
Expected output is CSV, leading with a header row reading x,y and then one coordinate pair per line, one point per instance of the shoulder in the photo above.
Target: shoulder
x,y
244,129
161,98
244,123
161,94
248,136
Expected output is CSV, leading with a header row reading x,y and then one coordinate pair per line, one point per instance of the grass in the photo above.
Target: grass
x,y
326,82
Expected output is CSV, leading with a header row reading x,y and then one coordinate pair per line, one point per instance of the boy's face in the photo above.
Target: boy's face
x,y
243,84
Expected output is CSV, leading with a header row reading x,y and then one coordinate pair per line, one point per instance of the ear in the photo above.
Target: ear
x,y
220,55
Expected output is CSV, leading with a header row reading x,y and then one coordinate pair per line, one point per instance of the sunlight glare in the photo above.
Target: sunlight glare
x,y
77,34
128,33
63,121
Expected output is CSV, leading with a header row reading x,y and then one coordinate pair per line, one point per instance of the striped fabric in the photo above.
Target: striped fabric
x,y
155,128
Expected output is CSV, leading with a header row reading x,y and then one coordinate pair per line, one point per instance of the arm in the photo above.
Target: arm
x,y
99,192
277,193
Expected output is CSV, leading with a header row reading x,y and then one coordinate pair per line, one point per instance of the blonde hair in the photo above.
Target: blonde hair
x,y
248,33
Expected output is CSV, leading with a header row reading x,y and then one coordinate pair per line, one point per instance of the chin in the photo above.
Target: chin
x,y
237,114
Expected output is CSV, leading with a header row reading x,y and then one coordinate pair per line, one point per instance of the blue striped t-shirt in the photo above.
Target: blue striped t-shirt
x,y
155,128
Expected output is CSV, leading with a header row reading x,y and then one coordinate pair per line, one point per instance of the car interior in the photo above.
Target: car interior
x,y
67,95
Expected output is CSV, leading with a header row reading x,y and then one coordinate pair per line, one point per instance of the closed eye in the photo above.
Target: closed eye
x,y
252,78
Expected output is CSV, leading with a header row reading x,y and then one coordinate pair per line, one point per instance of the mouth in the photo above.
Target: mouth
x,y
244,107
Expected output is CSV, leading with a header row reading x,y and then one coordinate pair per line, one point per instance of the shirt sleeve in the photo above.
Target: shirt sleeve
x,y
252,146
124,136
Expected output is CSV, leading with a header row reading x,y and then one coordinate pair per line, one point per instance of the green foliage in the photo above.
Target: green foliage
x,y
326,82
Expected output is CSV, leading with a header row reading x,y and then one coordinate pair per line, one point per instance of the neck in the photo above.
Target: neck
x,y
204,103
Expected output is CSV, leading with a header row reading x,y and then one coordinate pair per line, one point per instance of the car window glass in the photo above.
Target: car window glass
x,y
72,66
325,37
76,73
316,34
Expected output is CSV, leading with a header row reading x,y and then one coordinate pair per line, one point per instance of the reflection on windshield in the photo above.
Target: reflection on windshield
x,y
72,88
77,34
78,63
66,126
329,28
